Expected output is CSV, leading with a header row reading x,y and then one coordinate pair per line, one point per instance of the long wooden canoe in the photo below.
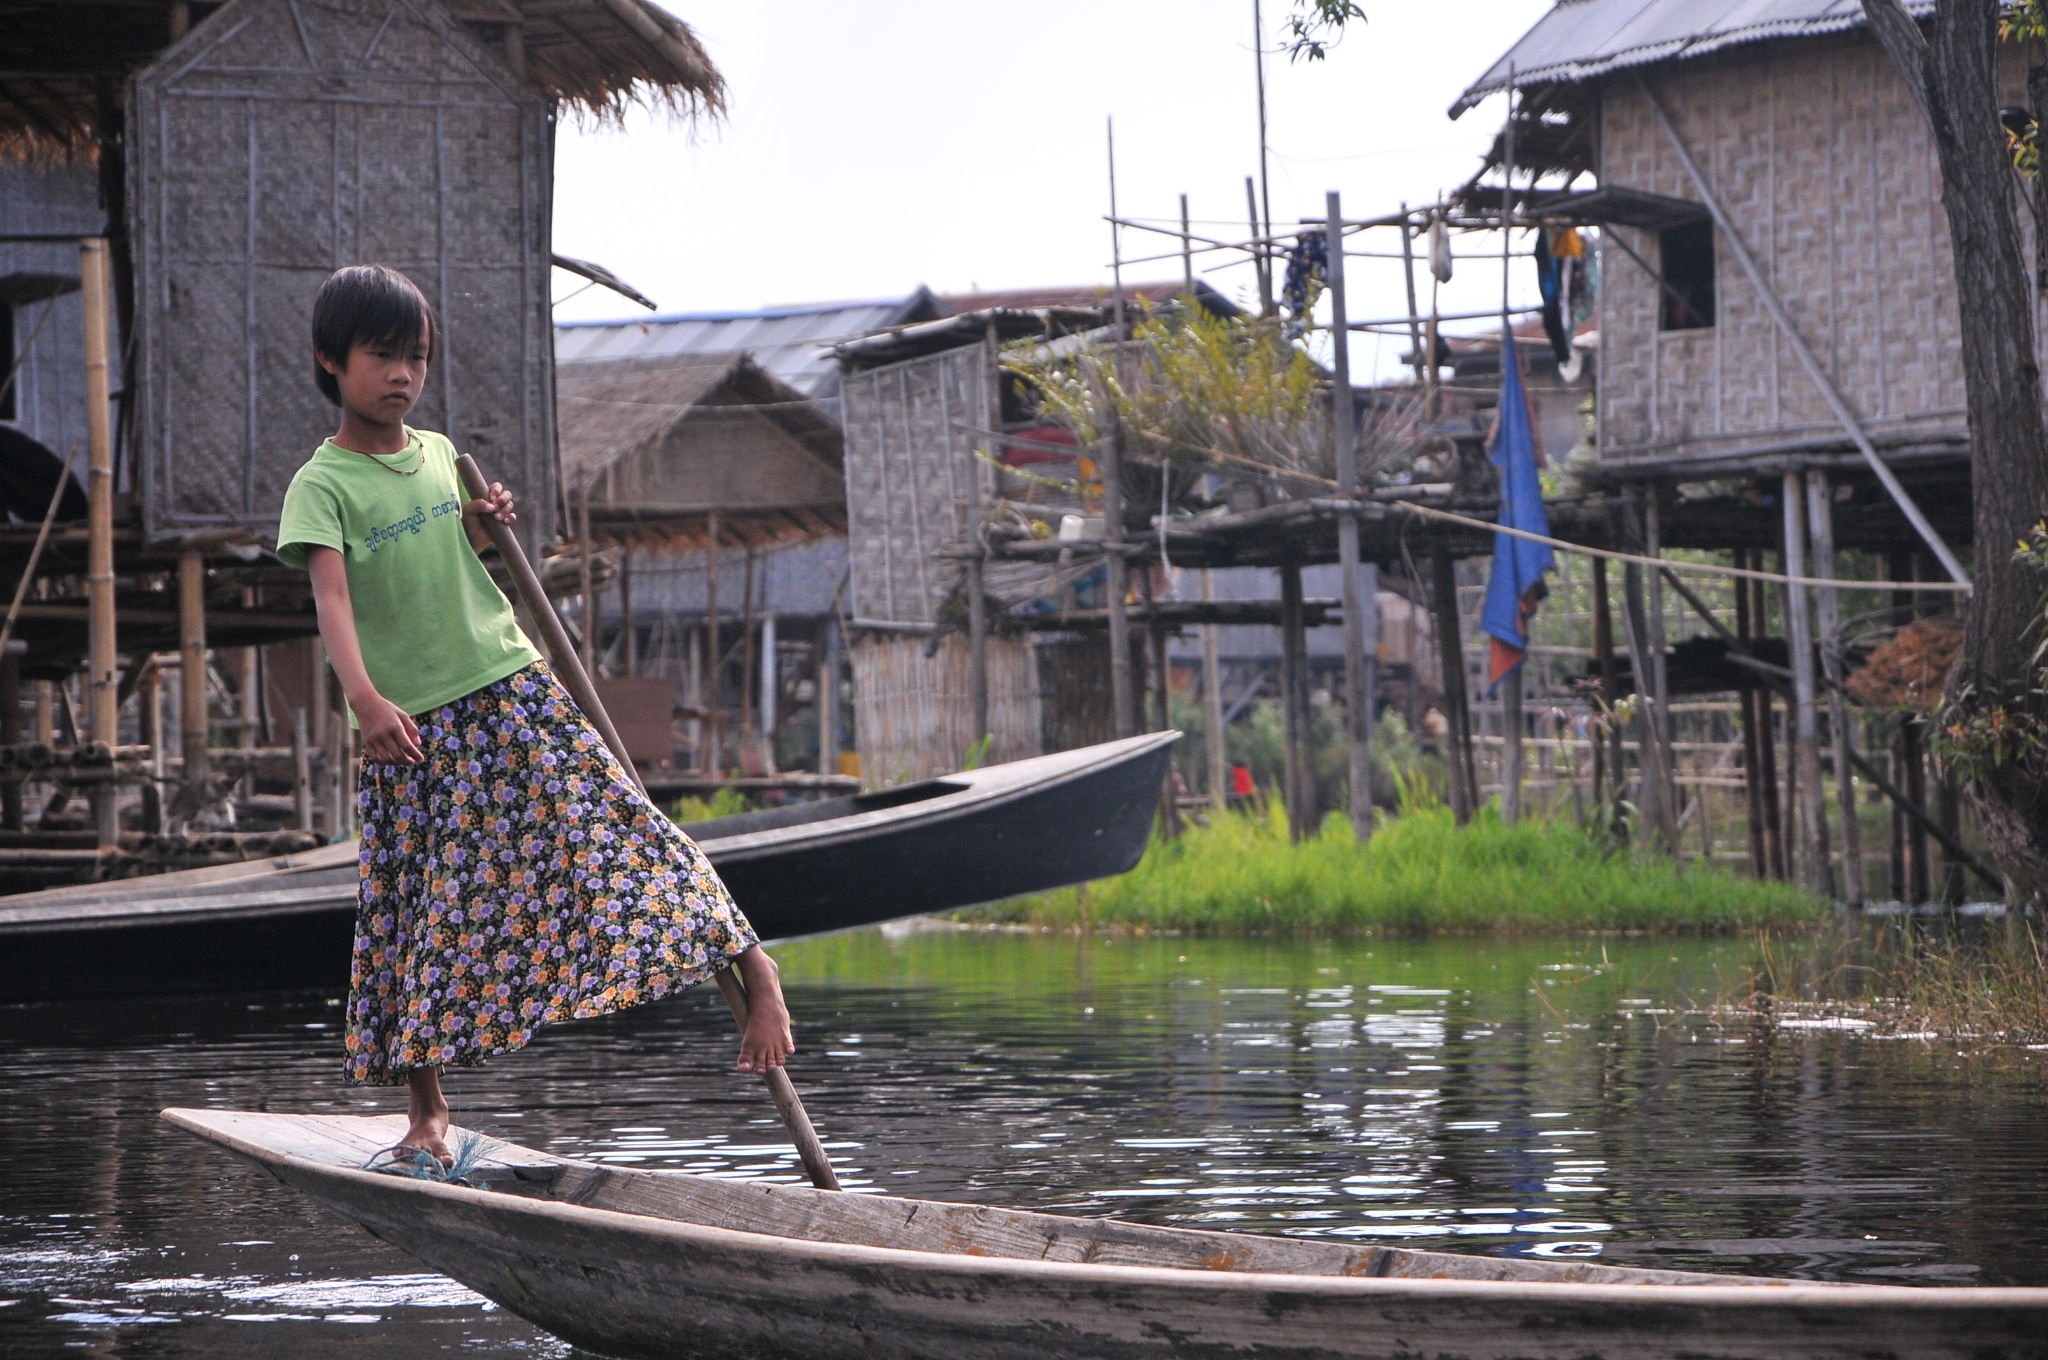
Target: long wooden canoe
x,y
977,836
665,1264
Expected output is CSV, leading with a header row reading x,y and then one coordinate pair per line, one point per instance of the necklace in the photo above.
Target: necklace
x,y
379,459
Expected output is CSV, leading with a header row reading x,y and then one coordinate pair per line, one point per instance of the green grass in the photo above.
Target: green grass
x,y
1421,872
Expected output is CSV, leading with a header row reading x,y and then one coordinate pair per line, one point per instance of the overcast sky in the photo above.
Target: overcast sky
x,y
871,147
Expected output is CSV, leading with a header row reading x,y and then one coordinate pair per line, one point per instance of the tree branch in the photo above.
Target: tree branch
x,y
1899,34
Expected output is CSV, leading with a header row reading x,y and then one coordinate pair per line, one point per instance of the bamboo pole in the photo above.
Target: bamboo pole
x,y
710,755
977,595
570,668
1606,770
1297,780
192,665
828,693
1511,746
302,773
1813,826
105,708
1212,704
583,580
1358,718
1752,785
1464,784
747,653
10,731
629,632
1110,455
151,712
1775,842
1820,513
1656,782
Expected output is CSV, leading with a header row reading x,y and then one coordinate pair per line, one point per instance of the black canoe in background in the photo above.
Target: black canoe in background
x,y
978,836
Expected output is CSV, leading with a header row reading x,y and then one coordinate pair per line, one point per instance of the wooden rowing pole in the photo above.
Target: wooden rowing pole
x,y
569,666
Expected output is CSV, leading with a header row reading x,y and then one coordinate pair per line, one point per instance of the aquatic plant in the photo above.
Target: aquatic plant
x,y
1420,872
1958,980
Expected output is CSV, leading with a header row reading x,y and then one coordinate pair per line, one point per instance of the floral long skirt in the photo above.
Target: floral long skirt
x,y
515,878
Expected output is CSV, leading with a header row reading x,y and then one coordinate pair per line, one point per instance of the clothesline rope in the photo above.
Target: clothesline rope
x,y
1668,564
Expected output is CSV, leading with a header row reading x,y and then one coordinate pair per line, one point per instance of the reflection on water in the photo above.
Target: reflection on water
x,y
1543,1098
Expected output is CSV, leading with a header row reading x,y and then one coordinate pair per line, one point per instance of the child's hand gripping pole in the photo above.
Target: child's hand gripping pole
x,y
570,668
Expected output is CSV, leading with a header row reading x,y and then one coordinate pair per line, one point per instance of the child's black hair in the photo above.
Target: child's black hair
x,y
367,304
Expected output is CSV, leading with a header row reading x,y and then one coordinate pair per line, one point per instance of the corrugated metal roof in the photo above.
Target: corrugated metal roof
x,y
792,343
1584,39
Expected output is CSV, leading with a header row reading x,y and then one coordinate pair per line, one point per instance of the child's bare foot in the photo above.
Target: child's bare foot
x,y
768,1041
427,1109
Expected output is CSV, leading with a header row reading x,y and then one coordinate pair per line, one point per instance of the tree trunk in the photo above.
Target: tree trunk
x,y
1952,73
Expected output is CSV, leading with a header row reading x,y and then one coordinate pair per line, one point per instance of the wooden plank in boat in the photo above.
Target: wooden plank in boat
x,y
799,1211
328,1139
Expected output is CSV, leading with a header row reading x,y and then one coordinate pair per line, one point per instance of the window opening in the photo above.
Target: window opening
x,y
1687,259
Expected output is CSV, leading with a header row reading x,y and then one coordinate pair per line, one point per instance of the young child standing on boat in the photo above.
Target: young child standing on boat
x,y
512,874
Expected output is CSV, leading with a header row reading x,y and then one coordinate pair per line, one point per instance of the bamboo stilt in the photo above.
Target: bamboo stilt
x,y
1752,753
1464,784
709,756
1293,662
104,704
1820,512
584,585
1212,705
1819,873
192,665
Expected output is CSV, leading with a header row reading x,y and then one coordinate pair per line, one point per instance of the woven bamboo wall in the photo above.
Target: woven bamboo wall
x,y
912,477
912,712
1820,156
284,138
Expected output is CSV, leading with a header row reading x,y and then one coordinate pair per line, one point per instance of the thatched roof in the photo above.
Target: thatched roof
x,y
661,443
66,61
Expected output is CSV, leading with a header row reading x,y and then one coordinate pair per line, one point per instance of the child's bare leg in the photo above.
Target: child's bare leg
x,y
768,1041
428,1110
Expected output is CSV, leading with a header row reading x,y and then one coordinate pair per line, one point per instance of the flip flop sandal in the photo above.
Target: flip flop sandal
x,y
411,1162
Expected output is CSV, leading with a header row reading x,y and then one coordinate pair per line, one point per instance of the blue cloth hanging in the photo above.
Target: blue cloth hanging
x,y
1515,586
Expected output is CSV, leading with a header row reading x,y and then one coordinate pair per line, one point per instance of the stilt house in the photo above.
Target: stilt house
x,y
1822,170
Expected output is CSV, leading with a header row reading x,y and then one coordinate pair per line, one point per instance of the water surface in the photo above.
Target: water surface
x,y
1543,1098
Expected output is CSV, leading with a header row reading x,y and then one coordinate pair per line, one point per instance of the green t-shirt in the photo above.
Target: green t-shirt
x,y
433,624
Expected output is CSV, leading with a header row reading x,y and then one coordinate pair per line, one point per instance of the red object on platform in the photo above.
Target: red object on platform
x,y
1240,781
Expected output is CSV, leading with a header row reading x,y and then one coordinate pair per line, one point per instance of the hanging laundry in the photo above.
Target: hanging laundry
x,y
1308,263
1555,286
1439,249
1515,586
